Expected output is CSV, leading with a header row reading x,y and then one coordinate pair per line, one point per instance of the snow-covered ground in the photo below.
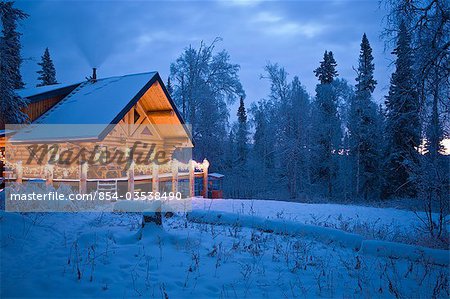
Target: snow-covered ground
x,y
108,255
387,224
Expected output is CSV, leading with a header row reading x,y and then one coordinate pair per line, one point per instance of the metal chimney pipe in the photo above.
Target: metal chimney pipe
x,y
94,74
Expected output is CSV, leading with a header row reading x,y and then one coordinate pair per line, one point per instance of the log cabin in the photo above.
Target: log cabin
x,y
116,114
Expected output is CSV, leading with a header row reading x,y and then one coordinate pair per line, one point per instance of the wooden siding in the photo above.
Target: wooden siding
x,y
36,109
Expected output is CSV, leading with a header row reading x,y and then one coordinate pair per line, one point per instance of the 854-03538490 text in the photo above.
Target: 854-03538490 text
x,y
97,195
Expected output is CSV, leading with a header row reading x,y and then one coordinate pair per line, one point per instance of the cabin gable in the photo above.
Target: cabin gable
x,y
154,119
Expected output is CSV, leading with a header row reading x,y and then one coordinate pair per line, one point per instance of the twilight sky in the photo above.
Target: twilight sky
x,y
124,37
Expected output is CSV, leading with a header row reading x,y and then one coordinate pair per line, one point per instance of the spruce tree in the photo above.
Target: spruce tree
x,y
403,127
325,131
326,72
366,82
11,104
364,136
242,133
47,74
10,16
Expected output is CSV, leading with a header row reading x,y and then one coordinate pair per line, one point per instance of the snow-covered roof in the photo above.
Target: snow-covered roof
x,y
6,132
98,102
33,92
89,109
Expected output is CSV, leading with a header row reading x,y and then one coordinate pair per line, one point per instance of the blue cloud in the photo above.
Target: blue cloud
x,y
123,37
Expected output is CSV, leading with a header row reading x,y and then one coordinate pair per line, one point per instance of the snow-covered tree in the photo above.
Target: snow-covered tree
x,y
263,113
10,16
279,96
293,138
345,96
428,24
263,119
237,167
325,126
47,73
11,104
206,81
403,126
363,127
282,132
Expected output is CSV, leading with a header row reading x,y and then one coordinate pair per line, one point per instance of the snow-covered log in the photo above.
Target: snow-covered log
x,y
405,251
323,234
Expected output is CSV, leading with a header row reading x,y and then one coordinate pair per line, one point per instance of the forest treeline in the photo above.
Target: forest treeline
x,y
336,143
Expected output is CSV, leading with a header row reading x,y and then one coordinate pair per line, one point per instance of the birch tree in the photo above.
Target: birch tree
x,y
204,82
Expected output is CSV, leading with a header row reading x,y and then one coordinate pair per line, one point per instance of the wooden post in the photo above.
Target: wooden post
x,y
155,178
131,179
49,168
19,172
205,166
83,177
191,178
49,175
174,176
154,216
